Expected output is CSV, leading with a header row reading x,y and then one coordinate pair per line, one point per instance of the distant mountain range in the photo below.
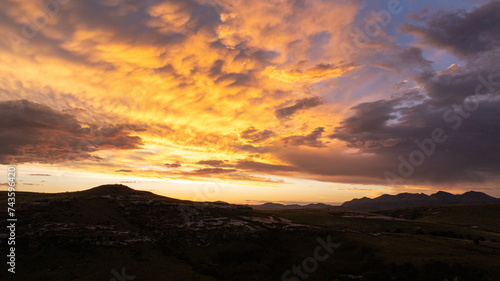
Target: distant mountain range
x,y
278,206
391,202
408,200
365,204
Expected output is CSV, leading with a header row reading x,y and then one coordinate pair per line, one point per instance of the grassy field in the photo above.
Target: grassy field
x,y
66,237
429,237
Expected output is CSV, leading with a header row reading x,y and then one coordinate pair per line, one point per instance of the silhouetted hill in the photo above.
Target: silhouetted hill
x,y
407,200
111,189
123,191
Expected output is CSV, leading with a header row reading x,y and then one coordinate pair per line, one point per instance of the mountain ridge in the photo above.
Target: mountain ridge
x,y
365,204
406,200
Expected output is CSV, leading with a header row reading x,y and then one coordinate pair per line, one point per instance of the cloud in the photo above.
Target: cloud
x,y
465,34
408,59
215,163
264,167
216,68
177,164
368,117
452,85
237,79
317,72
301,104
382,132
261,84
254,136
35,133
209,171
124,171
170,77
308,140
388,129
242,165
331,165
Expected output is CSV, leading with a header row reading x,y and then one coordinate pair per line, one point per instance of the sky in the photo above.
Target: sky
x,y
291,101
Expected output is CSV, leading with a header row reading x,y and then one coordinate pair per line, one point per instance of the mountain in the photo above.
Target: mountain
x,y
407,200
278,206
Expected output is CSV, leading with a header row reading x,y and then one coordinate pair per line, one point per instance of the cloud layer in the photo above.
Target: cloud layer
x,y
35,133
248,90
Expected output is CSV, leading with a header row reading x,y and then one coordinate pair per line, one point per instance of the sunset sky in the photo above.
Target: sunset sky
x,y
252,101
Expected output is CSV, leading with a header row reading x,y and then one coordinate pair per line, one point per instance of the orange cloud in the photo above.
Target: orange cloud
x,y
195,77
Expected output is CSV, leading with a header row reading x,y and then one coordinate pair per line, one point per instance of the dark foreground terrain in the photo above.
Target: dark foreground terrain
x,y
116,233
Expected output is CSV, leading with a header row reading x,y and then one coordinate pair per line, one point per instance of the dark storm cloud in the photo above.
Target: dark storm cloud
x,y
389,129
406,59
307,140
447,87
463,33
474,36
301,104
369,117
31,132
384,130
460,104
